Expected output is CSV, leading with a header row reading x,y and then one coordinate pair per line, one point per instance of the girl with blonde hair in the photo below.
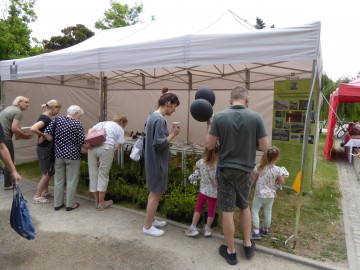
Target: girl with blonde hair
x,y
206,168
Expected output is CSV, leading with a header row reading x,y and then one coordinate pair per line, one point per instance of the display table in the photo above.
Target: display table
x,y
175,147
351,144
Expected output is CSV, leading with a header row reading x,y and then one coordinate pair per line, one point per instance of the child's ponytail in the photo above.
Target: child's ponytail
x,y
269,156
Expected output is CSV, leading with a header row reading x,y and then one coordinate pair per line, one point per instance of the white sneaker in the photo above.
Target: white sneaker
x,y
159,223
207,231
153,231
192,232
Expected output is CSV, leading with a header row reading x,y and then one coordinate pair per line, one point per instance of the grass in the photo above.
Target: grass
x,y
320,233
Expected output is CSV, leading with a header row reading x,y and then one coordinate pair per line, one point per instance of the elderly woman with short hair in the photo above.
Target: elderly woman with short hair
x,y
69,137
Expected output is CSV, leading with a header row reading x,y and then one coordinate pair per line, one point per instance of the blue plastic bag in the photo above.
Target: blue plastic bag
x,y
20,219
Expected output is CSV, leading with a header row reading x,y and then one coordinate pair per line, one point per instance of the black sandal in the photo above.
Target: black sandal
x,y
72,208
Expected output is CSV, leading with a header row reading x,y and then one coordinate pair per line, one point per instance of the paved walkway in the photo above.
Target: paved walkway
x,y
123,226
350,190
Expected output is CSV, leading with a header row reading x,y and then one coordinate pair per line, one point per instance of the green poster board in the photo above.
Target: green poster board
x,y
291,98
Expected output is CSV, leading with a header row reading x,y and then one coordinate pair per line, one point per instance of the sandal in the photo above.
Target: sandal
x,y
40,200
76,205
104,205
47,195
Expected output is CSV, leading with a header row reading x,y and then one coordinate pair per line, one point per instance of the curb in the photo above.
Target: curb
x,y
261,249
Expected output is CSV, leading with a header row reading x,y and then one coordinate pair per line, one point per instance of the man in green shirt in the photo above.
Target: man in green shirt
x,y
240,132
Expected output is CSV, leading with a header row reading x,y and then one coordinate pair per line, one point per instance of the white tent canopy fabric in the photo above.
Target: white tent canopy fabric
x,y
122,70
228,40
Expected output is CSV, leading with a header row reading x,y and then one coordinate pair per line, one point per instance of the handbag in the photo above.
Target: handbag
x,y
137,149
97,137
20,219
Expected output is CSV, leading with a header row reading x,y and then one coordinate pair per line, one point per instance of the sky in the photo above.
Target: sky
x,y
339,21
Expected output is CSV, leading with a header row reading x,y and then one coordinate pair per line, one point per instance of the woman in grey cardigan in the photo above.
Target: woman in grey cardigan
x,y
157,159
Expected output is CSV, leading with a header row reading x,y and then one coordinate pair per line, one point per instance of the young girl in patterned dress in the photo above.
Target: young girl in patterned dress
x,y
266,177
206,168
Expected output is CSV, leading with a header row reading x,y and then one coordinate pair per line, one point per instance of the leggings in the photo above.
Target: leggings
x,y
265,203
201,203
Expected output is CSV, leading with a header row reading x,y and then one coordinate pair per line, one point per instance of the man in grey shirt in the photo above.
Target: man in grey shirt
x,y
240,132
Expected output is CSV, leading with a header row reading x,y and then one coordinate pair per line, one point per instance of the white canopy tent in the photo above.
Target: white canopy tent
x,y
122,70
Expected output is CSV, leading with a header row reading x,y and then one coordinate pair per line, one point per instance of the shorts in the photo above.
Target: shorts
x,y
47,167
234,187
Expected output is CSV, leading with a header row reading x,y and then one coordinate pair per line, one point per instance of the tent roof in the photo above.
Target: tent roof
x,y
349,92
228,40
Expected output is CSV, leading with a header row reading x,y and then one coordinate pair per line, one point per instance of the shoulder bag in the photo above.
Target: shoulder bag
x,y
96,137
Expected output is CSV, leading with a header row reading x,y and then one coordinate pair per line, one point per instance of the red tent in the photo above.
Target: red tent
x,y
345,93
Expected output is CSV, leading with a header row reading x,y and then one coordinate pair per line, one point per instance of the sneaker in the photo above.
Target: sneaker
x,y
207,231
249,251
264,232
230,258
192,232
153,231
255,236
159,223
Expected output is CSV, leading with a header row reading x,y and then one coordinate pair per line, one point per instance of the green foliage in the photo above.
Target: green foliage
x,y
14,29
72,35
345,111
119,15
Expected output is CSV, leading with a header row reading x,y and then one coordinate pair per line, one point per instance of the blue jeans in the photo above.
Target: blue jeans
x,y
267,204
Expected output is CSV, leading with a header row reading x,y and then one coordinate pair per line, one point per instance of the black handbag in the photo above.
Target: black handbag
x,y
20,219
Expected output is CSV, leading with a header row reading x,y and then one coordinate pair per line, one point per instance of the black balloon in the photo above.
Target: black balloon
x,y
201,110
207,94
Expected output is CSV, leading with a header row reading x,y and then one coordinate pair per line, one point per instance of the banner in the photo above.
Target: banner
x,y
291,98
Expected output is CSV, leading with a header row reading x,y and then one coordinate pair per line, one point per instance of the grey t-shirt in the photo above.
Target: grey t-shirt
x,y
6,119
238,129
156,153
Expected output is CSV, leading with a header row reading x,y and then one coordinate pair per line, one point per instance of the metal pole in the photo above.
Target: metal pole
x,y
304,153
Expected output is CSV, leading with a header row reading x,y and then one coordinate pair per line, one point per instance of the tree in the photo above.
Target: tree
x,y
327,87
119,15
259,23
14,30
72,35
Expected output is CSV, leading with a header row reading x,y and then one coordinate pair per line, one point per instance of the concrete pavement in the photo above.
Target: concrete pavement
x,y
350,189
123,225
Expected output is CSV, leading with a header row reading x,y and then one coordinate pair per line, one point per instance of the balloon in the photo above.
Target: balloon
x,y
207,94
201,110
